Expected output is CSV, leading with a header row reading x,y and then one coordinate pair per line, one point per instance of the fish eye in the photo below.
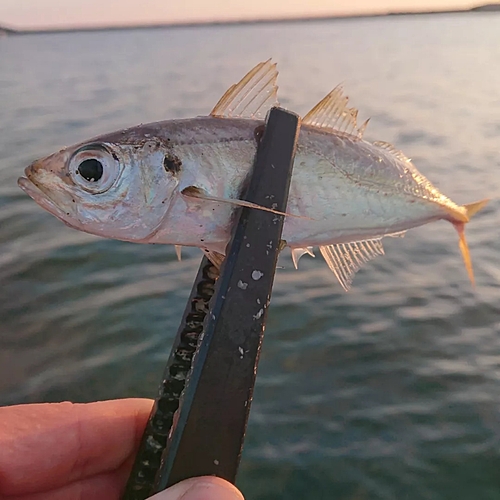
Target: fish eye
x,y
91,170
94,167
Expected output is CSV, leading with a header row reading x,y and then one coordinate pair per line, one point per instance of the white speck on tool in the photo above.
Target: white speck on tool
x,y
259,314
242,285
256,275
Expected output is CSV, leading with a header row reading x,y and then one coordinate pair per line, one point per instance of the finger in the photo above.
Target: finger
x,y
102,487
106,486
200,488
47,446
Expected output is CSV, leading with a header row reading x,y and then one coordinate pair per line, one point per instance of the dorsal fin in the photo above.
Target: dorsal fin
x,y
345,259
332,112
253,96
391,149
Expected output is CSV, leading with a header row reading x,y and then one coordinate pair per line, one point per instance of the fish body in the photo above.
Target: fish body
x,y
177,182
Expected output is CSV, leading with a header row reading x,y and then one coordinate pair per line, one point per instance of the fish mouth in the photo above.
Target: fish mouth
x,y
41,198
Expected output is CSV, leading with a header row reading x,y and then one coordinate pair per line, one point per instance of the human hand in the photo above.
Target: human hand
x,y
66,451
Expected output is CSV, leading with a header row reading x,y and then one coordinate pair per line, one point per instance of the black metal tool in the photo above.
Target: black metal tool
x,y
207,436
154,440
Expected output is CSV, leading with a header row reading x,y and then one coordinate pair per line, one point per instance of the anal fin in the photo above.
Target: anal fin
x,y
398,234
215,258
178,252
297,253
345,259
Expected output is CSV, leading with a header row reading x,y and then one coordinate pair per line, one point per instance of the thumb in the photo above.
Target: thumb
x,y
200,488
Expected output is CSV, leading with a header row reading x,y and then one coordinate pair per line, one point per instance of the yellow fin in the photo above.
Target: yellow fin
x,y
332,112
471,209
464,249
465,212
252,96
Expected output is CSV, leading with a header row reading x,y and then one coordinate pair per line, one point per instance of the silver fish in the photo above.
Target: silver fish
x,y
178,181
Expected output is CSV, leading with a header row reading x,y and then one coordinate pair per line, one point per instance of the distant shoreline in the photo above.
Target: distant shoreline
x,y
489,8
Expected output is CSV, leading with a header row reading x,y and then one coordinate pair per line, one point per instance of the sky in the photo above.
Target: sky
x,y
61,13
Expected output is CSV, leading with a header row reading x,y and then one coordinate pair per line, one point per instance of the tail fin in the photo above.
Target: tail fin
x,y
471,209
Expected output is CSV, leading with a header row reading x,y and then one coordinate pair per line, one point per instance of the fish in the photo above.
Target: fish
x,y
179,181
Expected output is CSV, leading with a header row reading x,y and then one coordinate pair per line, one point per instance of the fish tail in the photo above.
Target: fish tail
x,y
464,249
473,208
470,210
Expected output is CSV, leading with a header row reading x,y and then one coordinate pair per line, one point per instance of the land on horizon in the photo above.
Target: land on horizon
x,y
4,30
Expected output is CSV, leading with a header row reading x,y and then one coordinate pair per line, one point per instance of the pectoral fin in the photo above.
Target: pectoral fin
x,y
197,193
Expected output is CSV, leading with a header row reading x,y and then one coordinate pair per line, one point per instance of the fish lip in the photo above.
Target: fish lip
x,y
41,198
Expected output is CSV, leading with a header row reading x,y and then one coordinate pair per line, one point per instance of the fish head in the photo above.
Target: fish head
x,y
119,190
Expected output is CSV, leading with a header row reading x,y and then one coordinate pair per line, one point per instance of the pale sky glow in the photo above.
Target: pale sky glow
x,y
60,13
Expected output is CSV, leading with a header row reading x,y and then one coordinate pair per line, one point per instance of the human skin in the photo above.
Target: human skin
x,y
66,451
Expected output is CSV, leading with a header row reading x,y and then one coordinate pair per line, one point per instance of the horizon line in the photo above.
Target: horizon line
x,y
491,7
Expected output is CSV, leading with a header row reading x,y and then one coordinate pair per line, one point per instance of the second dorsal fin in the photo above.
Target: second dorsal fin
x,y
252,96
332,112
389,147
